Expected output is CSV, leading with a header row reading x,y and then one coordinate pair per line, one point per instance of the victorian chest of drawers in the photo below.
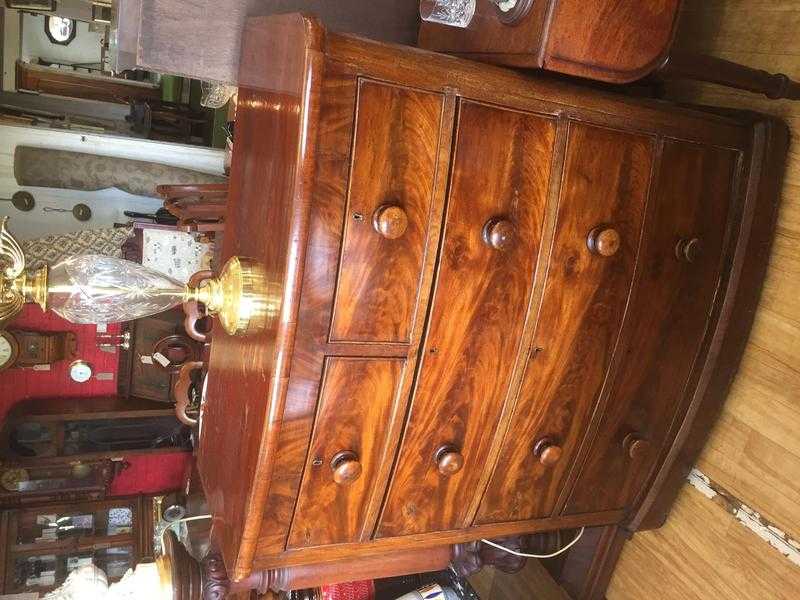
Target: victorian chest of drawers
x,y
500,305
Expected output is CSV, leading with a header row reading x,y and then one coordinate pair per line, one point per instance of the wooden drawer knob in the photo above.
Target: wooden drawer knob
x,y
688,250
346,468
449,460
498,234
549,452
390,220
604,241
635,446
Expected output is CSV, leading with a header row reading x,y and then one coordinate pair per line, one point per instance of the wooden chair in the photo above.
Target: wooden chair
x,y
199,208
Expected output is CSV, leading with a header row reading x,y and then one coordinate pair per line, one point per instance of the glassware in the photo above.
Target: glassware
x,y
456,13
104,289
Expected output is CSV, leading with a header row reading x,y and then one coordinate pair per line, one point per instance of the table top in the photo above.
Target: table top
x,y
266,221
616,41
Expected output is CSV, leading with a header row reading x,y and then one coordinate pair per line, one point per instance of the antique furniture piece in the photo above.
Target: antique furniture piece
x,y
616,41
198,208
505,304
43,544
159,347
69,449
31,348
204,41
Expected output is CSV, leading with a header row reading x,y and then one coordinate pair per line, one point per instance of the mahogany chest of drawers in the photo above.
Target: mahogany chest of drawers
x,y
502,304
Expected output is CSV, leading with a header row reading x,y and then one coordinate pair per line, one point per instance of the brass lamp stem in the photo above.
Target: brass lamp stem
x,y
209,294
33,287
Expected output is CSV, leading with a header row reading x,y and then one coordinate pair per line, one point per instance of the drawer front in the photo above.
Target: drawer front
x,y
493,229
388,211
598,231
669,317
348,444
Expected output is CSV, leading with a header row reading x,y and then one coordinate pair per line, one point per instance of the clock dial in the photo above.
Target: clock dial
x,y
8,347
11,478
80,372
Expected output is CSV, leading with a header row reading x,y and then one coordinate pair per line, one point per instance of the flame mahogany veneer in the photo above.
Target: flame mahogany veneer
x,y
506,305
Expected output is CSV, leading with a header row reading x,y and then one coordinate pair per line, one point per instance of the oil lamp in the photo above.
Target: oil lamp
x,y
103,289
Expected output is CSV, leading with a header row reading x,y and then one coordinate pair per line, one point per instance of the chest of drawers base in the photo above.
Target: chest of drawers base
x,y
505,303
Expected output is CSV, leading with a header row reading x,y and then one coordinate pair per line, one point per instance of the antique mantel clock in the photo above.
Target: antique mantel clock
x,y
103,289
30,348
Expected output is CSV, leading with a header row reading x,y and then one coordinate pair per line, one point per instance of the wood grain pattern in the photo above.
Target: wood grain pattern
x,y
333,140
616,41
242,430
393,164
610,40
671,306
321,554
355,404
464,376
500,163
606,180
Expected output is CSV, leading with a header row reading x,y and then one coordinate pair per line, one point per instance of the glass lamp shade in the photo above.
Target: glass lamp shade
x,y
103,289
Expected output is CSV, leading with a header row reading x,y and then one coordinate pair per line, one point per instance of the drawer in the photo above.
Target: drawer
x,y
681,267
393,166
598,230
492,237
348,444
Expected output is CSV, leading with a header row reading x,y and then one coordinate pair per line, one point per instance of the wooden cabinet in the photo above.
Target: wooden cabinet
x,y
43,545
502,299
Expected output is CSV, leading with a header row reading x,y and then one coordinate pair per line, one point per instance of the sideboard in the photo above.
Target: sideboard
x,y
500,304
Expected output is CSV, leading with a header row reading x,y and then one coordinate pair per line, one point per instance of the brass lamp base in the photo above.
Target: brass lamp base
x,y
238,297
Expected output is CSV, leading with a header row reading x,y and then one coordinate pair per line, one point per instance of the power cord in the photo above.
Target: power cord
x,y
523,555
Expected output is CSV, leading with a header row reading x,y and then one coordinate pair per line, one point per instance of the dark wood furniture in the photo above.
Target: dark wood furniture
x,y
503,305
615,41
71,449
198,208
140,374
72,84
33,348
42,544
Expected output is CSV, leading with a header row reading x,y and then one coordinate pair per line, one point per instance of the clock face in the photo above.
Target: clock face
x,y
80,372
7,350
11,478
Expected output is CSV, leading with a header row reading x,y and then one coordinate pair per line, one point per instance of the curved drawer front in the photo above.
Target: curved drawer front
x,y
681,266
598,231
493,229
387,215
348,445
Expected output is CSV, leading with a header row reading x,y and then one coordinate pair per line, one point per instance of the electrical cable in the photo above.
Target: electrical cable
x,y
523,555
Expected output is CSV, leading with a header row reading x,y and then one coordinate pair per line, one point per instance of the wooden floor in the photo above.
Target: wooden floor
x,y
703,552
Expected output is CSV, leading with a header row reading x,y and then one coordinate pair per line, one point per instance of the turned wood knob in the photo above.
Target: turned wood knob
x,y
346,468
449,460
390,220
635,446
688,250
604,241
498,234
549,452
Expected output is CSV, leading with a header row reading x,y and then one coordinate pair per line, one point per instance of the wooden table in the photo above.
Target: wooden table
x,y
614,41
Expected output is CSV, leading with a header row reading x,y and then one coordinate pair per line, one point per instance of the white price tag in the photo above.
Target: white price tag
x,y
161,359
146,360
